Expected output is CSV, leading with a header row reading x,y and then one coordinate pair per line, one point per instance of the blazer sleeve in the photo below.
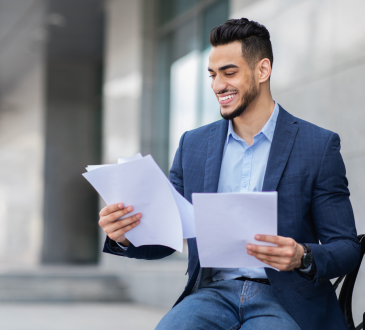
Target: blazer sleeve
x,y
152,252
176,173
339,251
146,252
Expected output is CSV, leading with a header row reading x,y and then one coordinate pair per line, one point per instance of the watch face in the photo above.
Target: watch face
x,y
307,260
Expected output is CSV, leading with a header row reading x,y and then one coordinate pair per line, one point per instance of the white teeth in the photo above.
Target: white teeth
x,y
226,97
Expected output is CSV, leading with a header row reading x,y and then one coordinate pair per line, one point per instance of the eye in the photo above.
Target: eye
x,y
212,76
230,74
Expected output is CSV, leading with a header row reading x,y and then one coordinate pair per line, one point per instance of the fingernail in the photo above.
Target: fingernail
x,y
249,252
138,216
249,246
257,236
129,208
120,205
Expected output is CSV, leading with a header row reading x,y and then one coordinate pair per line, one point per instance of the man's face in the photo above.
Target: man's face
x,y
233,81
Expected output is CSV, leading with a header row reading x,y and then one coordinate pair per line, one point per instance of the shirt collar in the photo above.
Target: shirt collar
x,y
267,130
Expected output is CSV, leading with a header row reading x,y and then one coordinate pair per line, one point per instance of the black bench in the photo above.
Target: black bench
x,y
345,296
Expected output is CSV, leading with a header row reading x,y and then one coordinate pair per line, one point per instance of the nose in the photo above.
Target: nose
x,y
218,84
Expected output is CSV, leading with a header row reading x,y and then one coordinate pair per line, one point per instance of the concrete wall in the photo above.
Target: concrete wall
x,y
21,159
122,80
72,131
318,75
150,282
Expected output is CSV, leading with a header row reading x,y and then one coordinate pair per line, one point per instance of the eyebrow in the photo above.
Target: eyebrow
x,y
225,67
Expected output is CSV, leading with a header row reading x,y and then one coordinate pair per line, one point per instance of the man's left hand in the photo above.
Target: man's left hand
x,y
285,256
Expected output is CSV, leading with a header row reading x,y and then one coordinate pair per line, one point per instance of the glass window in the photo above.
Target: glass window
x,y
208,106
190,100
184,76
169,9
183,98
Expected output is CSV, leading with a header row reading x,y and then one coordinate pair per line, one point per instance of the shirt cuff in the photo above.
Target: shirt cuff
x,y
305,270
125,248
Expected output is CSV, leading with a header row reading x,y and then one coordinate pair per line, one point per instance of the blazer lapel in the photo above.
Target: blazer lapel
x,y
213,163
282,144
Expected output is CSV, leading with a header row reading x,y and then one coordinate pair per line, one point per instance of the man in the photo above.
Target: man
x,y
258,146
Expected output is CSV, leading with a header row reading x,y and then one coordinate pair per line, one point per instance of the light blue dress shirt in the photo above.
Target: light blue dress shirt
x,y
243,170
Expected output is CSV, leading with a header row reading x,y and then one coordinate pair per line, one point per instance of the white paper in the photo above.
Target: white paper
x,y
143,185
227,222
185,208
94,167
186,211
122,160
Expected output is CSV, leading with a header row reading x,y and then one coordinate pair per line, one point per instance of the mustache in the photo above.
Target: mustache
x,y
226,91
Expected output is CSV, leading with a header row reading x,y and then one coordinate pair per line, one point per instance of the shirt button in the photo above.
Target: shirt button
x,y
245,185
248,152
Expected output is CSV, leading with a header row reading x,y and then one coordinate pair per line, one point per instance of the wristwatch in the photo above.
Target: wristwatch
x,y
307,258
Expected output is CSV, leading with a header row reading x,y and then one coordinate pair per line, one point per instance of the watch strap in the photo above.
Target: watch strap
x,y
307,251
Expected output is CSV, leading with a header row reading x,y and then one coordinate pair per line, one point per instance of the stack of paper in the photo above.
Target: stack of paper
x,y
224,222
227,222
167,217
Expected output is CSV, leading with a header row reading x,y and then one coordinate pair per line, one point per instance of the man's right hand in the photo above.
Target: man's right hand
x,y
115,228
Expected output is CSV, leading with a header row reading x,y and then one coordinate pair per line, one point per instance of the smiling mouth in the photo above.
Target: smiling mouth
x,y
226,98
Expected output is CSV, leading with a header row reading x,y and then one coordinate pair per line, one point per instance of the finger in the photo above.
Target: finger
x,y
275,265
279,240
280,263
110,209
117,225
119,233
282,251
110,218
266,257
269,250
118,214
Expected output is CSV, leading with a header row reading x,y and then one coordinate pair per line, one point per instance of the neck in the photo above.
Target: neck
x,y
254,118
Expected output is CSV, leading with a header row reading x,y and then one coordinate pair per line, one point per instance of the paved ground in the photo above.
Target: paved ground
x,y
91,316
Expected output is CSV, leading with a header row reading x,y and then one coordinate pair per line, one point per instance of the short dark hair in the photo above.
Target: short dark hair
x,y
255,39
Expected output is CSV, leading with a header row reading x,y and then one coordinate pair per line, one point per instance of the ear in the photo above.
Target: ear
x,y
263,70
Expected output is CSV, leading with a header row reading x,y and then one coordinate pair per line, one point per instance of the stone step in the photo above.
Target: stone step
x,y
63,286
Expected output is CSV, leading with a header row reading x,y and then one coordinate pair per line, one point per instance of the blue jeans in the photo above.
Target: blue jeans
x,y
230,305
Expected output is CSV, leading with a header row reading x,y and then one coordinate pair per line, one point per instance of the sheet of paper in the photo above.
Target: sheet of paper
x,y
142,184
186,211
122,160
185,208
226,222
94,167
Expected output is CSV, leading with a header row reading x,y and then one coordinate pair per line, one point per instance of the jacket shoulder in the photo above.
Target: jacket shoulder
x,y
203,132
307,129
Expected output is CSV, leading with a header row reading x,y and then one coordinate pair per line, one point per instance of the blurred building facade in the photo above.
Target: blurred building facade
x,y
88,81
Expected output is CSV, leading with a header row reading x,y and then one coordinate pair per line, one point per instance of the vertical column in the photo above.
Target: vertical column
x,y
123,80
73,125
21,131
122,89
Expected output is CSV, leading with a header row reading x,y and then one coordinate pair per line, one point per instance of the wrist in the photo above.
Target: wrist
x,y
301,254
307,258
124,242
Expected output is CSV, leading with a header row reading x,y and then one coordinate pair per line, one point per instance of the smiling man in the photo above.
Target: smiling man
x,y
258,146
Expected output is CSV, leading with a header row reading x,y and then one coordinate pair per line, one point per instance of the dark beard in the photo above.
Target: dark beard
x,y
248,97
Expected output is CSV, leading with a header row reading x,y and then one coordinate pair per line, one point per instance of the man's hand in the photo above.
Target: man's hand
x,y
285,256
115,228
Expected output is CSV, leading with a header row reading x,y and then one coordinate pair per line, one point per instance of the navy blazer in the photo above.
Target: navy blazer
x,y
305,167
